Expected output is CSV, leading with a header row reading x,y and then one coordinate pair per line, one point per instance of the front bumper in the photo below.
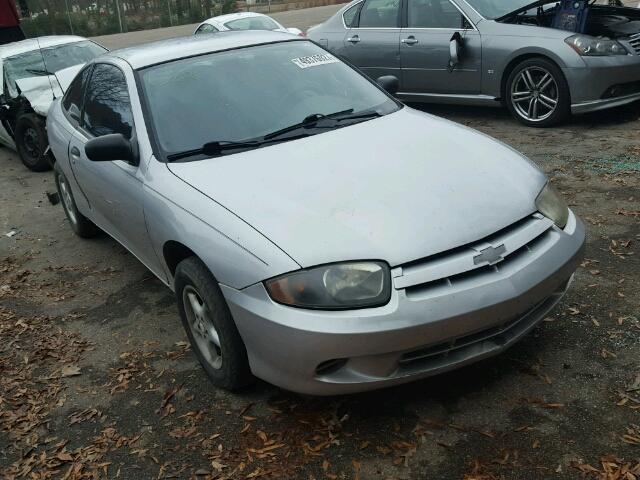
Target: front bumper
x,y
594,86
415,335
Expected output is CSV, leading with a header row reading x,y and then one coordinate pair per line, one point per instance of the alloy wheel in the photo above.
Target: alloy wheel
x,y
31,143
202,329
534,94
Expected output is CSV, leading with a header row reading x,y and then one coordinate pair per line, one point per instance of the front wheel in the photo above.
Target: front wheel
x,y
537,93
212,332
31,142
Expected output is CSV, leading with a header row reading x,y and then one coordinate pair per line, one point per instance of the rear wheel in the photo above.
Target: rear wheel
x,y
212,332
537,93
81,225
31,142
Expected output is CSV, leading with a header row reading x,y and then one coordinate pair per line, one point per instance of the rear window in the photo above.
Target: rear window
x,y
252,23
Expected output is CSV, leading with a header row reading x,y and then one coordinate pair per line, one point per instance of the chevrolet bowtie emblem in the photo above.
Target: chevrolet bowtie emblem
x,y
490,255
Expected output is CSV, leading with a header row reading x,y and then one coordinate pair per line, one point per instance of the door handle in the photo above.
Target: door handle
x,y
409,40
355,39
75,154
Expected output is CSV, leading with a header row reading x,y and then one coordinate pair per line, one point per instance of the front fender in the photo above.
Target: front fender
x,y
236,253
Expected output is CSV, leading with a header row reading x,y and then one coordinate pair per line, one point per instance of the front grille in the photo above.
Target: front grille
x,y
478,343
509,248
634,40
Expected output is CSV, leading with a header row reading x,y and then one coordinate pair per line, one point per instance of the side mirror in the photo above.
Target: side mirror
x,y
455,49
111,147
389,83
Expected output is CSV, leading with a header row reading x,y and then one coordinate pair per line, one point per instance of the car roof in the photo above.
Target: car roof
x,y
152,53
31,44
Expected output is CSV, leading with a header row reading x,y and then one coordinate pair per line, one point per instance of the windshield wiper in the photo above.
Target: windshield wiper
x,y
308,122
37,71
218,147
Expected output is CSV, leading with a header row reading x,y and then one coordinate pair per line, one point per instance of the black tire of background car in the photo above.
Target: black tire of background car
x,y
234,373
82,226
563,109
31,142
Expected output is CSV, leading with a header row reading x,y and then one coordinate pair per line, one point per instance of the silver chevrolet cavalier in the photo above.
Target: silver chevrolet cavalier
x,y
318,234
543,60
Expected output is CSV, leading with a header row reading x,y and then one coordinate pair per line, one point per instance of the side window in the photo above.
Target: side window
x,y
72,100
379,14
206,28
434,14
107,108
350,16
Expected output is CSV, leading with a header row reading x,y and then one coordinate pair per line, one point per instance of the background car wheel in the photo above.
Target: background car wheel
x,y
537,93
211,330
31,142
81,225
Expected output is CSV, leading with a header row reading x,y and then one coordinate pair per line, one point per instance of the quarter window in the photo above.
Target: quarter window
x,y
434,14
107,106
351,15
206,28
380,14
72,101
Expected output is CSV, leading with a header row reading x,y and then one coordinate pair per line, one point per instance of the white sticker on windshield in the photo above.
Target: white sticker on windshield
x,y
314,60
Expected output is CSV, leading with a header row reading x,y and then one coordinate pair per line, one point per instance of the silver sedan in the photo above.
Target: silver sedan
x,y
317,233
543,60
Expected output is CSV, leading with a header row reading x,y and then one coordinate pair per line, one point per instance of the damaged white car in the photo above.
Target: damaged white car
x,y
34,73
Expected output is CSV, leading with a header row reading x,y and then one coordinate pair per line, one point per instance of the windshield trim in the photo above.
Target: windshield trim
x,y
159,153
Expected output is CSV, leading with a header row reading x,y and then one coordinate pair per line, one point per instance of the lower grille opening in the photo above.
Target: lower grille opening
x,y
330,366
622,90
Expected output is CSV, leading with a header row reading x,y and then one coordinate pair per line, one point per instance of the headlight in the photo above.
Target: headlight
x,y
336,286
595,47
551,205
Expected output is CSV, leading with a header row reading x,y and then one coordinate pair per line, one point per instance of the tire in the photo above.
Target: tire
x,y
532,103
31,142
212,332
81,225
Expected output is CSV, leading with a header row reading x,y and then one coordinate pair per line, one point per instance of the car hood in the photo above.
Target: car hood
x,y
396,188
40,91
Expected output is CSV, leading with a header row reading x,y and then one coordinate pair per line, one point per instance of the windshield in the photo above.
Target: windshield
x,y
493,9
48,60
252,23
248,93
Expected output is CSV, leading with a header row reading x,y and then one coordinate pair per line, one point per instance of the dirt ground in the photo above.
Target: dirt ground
x,y
97,380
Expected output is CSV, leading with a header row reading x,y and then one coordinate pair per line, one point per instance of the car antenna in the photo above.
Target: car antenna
x,y
53,92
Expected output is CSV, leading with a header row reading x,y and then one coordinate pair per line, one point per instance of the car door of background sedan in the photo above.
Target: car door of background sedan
x,y
114,189
372,43
424,50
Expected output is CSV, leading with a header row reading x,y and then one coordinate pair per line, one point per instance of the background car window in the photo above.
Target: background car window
x,y
72,101
351,15
252,23
25,65
434,14
206,28
107,108
379,14
64,56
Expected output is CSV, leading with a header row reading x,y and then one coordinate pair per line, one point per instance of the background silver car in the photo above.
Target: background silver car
x,y
542,60
317,233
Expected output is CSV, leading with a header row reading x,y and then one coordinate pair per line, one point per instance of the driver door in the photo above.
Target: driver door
x,y
114,189
424,50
